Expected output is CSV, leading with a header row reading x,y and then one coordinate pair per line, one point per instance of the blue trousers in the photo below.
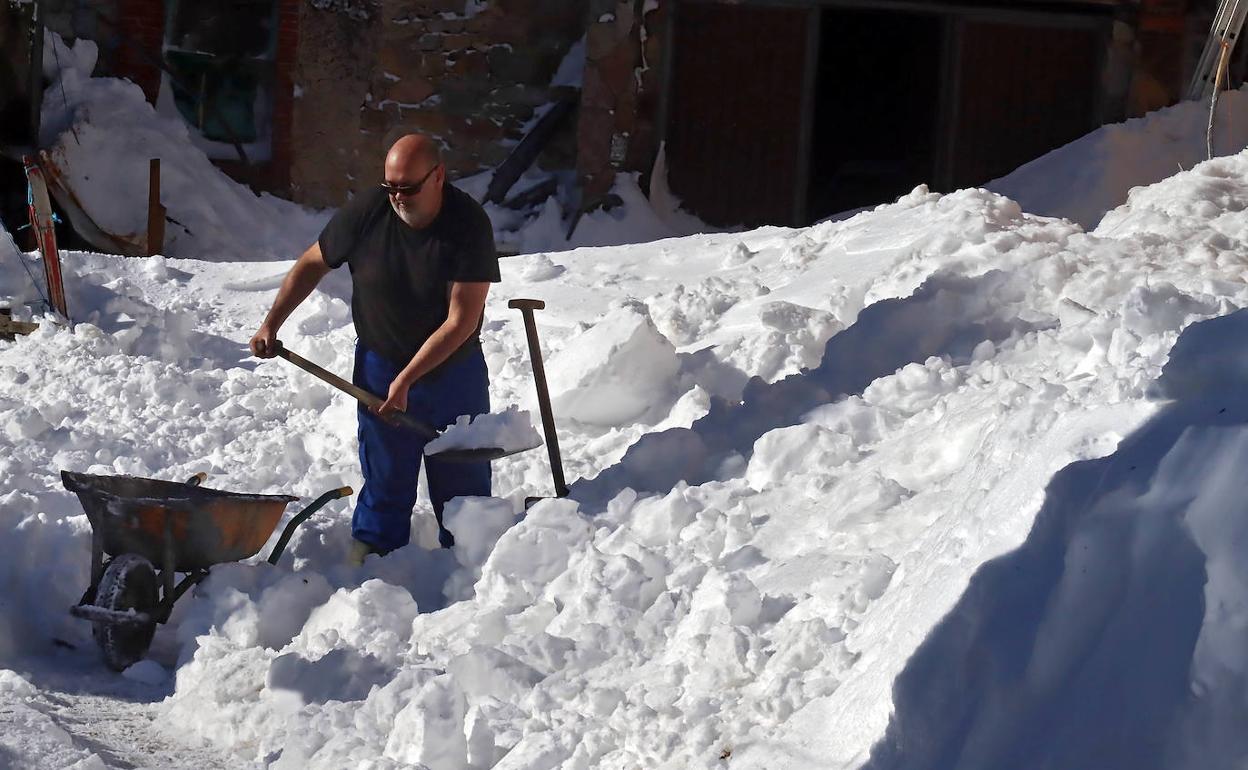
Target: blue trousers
x,y
390,456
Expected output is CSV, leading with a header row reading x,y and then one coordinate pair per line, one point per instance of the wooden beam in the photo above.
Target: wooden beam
x,y
35,84
155,211
9,329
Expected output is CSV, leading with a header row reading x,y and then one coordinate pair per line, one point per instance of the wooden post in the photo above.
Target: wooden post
x,y
9,329
35,84
155,211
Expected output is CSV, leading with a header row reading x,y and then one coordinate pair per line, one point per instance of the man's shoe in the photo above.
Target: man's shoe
x,y
357,552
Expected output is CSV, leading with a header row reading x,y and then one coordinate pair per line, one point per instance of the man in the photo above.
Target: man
x,y
421,256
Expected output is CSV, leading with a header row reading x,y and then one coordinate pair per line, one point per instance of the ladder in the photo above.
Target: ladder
x,y
1227,24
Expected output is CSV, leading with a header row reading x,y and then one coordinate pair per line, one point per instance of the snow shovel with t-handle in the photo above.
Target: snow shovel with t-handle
x,y
402,419
526,308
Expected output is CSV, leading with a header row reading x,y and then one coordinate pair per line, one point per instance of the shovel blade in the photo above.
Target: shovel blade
x,y
483,454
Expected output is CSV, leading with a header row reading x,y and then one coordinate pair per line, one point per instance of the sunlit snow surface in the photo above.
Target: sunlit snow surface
x,y
931,487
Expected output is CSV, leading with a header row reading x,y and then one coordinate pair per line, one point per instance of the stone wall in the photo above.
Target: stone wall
x,y
469,73
620,105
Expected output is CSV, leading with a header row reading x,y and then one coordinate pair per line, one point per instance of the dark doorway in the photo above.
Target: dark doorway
x,y
875,109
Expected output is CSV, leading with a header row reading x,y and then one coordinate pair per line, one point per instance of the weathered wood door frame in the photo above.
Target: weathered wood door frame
x,y
1089,14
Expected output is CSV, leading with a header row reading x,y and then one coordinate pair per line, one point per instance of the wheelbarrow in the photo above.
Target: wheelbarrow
x,y
153,530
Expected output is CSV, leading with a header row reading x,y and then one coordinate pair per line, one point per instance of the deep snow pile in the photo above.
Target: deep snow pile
x,y
1093,174
905,490
740,587
101,133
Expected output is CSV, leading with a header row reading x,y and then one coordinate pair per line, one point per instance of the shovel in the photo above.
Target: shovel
x,y
402,419
526,308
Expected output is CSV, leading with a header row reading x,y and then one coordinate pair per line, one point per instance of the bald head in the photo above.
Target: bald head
x,y
413,154
414,175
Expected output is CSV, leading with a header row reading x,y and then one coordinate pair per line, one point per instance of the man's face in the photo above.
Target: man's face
x,y
415,197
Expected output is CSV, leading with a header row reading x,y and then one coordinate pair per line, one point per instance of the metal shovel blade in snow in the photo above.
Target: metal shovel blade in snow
x,y
402,419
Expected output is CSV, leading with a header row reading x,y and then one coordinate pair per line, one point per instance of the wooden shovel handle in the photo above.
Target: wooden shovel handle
x,y
526,308
363,396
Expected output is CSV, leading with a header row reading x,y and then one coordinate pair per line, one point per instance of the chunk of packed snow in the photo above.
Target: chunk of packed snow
x,y
511,430
618,370
146,672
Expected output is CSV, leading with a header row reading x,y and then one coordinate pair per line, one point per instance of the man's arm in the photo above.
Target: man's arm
x,y
307,272
467,304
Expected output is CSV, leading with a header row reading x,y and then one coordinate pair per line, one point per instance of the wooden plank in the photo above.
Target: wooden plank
x,y
735,122
44,225
155,211
1025,90
9,329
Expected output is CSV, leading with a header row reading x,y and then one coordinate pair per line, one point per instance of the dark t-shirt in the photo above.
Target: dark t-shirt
x,y
400,276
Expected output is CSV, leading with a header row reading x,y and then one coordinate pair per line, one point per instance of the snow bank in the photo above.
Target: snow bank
x,y
729,585
792,451
102,133
1093,174
1113,632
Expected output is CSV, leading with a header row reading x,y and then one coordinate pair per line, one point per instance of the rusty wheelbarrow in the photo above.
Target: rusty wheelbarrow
x,y
153,530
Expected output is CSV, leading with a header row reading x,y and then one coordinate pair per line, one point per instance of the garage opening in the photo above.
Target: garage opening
x,y
789,114
876,108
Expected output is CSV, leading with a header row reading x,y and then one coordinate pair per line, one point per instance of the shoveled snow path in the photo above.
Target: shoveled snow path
x,y
103,714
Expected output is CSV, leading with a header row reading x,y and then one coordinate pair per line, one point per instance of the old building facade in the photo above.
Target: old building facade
x,y
769,111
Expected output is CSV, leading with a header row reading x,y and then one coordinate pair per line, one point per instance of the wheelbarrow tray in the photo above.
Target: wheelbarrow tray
x,y
169,523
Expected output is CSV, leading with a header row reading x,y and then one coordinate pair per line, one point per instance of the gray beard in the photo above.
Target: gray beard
x,y
406,216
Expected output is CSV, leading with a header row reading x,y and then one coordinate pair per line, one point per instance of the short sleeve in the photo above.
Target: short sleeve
x,y
476,260
345,228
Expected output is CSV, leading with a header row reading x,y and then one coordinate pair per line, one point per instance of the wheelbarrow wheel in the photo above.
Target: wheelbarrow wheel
x,y
129,583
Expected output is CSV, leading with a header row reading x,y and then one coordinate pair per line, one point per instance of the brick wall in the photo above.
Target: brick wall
x,y
471,75
143,23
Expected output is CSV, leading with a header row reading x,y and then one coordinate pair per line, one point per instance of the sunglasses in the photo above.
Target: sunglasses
x,y
408,189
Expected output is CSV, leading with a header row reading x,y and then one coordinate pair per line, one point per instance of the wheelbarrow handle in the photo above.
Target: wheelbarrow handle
x,y
302,516
422,428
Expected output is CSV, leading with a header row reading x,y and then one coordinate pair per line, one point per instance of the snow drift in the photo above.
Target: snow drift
x,y
945,484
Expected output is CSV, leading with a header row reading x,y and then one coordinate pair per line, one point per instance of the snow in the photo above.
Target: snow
x,y
510,429
1093,175
617,370
102,132
147,672
945,483
571,70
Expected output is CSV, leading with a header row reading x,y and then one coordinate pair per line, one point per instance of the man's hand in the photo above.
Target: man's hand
x,y
396,398
307,272
264,343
